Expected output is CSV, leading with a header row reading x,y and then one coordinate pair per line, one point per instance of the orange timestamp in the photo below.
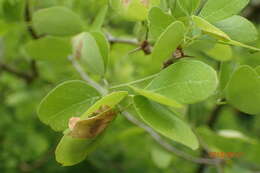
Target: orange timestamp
x,y
228,155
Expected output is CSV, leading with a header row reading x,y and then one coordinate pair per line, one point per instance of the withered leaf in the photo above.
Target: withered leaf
x,y
93,126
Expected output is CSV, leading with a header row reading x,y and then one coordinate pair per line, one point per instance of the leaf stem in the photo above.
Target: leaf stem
x,y
133,82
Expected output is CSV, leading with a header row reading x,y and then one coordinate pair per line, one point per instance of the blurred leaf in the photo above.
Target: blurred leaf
x,y
57,21
49,49
165,122
243,90
238,28
214,11
189,6
161,158
135,10
92,54
168,42
159,21
103,45
69,99
100,18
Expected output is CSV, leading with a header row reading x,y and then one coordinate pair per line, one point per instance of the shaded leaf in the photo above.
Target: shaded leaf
x,y
49,49
57,21
165,122
243,90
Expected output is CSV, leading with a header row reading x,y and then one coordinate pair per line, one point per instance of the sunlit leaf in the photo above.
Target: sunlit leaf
x,y
69,99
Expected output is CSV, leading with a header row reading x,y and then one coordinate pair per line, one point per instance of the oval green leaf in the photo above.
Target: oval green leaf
x,y
243,90
165,122
69,99
238,28
214,11
91,53
187,82
49,49
159,21
168,42
57,21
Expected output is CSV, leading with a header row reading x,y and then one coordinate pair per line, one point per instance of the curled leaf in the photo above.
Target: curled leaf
x,y
94,125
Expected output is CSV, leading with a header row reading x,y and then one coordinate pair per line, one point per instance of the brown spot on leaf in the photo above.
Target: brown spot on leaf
x,y
73,121
94,125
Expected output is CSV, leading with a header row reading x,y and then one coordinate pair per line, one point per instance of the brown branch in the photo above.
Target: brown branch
x,y
213,118
28,19
27,77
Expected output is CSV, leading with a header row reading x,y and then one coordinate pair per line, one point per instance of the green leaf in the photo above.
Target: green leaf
x,y
157,97
57,21
209,28
135,10
226,71
165,122
243,90
236,43
110,100
187,82
103,45
69,99
159,21
257,69
167,43
189,6
71,151
161,158
214,11
92,53
238,28
220,52
49,49
99,20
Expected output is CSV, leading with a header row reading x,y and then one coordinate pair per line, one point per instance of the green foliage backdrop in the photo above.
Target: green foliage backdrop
x,y
129,86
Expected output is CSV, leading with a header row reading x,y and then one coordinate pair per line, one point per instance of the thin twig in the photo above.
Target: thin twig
x,y
149,130
27,77
168,146
85,76
112,40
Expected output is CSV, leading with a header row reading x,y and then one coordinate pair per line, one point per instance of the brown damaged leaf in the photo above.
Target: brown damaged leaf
x,y
92,126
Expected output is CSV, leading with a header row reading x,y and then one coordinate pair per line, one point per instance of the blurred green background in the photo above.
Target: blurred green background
x,y
27,145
